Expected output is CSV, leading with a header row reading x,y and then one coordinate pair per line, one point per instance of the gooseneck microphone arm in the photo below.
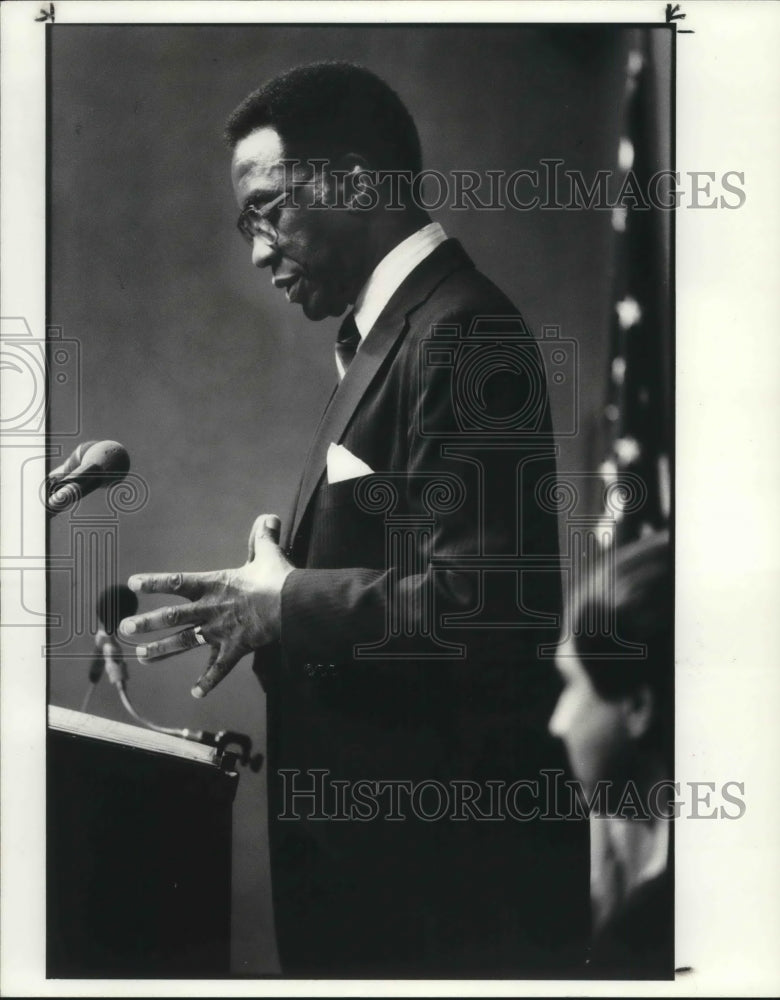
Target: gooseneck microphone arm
x,y
115,603
222,740
196,735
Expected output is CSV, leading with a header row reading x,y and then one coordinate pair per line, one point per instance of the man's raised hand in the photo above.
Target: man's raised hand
x,y
235,611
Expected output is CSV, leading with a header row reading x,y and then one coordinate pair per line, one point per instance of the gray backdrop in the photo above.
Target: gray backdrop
x,y
205,373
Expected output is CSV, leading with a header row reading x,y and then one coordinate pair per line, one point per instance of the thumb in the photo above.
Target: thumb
x,y
267,528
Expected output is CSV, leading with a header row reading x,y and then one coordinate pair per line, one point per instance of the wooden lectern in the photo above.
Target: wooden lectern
x,y
138,831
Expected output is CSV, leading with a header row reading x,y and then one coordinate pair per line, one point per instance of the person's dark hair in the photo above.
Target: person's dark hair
x,y
634,594
325,110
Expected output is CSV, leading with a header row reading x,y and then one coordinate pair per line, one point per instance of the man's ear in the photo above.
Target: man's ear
x,y
638,711
354,174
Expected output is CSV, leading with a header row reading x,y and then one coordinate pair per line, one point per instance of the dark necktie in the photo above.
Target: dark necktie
x,y
347,343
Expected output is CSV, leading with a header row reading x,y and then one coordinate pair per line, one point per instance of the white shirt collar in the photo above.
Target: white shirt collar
x,y
391,271
624,855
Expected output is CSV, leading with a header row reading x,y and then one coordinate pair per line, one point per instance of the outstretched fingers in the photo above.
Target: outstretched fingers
x,y
221,663
169,617
170,646
190,585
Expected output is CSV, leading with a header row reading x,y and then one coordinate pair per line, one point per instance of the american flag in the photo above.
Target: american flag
x,y
637,415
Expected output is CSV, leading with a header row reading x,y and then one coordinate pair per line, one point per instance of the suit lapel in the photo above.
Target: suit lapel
x,y
288,529
388,329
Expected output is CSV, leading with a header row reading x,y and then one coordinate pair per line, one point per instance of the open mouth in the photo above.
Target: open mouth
x,y
290,286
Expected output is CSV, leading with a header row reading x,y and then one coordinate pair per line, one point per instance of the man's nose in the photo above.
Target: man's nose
x,y
262,252
558,723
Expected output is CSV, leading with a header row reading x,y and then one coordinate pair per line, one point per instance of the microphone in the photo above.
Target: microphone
x,y
70,463
115,603
111,654
92,465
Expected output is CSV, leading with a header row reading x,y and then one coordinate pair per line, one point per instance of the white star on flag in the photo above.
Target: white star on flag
x,y
629,313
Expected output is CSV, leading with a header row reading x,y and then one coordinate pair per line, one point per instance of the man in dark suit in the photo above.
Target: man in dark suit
x,y
396,628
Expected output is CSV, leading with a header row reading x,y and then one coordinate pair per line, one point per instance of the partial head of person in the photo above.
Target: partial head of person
x,y
614,714
307,147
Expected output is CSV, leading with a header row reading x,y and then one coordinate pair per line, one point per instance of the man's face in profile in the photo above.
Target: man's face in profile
x,y
592,728
315,256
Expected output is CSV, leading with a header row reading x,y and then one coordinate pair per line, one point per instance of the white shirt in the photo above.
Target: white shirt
x,y
391,271
624,854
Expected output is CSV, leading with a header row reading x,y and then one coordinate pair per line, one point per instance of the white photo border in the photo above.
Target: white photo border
x,y
727,482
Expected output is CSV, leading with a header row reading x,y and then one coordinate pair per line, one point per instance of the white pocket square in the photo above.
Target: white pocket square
x,y
342,464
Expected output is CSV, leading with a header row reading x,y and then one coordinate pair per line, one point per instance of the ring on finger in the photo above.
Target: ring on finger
x,y
200,638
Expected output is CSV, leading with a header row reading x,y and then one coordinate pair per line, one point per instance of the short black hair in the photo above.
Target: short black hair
x,y
328,109
635,596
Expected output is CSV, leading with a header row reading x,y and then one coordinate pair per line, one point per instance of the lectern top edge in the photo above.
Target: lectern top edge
x,y
82,724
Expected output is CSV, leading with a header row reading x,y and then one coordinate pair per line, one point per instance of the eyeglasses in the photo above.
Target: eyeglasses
x,y
255,220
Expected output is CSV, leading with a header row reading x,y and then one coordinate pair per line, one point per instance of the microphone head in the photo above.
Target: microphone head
x,y
80,451
106,456
73,461
115,603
